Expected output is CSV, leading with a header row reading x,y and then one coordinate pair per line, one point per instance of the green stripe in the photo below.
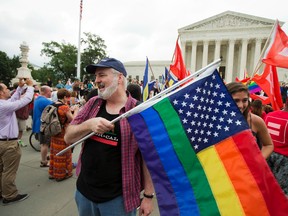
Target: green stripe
x,y
195,173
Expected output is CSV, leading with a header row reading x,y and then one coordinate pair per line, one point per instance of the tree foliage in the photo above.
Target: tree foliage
x,y
94,49
63,56
8,67
42,74
62,60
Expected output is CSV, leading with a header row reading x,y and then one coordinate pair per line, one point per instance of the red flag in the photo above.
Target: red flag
x,y
178,68
277,52
245,80
268,81
264,99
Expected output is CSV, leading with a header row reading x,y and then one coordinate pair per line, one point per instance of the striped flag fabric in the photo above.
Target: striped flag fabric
x,y
253,87
151,85
145,82
172,79
202,156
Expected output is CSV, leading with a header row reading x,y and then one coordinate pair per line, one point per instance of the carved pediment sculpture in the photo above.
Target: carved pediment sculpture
x,y
229,20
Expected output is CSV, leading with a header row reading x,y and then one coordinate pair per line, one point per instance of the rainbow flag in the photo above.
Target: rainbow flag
x,y
253,87
201,154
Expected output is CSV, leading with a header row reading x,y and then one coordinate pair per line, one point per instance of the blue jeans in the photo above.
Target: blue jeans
x,y
113,207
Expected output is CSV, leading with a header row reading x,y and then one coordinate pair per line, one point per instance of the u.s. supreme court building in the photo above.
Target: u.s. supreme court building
x,y
237,38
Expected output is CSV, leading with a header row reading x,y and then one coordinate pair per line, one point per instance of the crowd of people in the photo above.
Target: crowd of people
x,y
111,172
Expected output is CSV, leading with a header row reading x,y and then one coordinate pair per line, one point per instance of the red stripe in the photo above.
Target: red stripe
x,y
274,197
245,186
104,141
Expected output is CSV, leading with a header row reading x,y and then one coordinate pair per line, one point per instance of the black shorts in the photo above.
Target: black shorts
x,y
44,139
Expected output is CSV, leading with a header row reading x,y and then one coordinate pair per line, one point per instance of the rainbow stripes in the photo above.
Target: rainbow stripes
x,y
253,87
202,157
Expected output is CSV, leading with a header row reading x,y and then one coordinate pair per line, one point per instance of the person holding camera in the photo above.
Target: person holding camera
x,y
10,152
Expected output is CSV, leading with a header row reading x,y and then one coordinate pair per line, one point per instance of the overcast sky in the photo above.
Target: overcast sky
x,y
131,29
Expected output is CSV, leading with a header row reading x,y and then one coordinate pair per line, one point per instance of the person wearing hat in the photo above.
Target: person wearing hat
x,y
110,168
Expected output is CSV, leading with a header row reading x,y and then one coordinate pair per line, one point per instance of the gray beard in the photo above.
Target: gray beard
x,y
109,91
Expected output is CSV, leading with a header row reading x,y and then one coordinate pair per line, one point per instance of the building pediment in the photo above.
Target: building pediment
x,y
229,20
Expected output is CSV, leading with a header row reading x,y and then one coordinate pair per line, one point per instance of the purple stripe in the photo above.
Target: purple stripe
x,y
160,180
254,90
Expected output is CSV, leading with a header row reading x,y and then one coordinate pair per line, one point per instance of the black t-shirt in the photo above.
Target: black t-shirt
x,y
100,179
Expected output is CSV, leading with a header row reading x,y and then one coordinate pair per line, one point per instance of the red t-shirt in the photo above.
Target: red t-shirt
x,y
277,124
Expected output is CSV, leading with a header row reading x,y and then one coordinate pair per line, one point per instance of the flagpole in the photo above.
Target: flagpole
x,y
259,63
79,43
131,112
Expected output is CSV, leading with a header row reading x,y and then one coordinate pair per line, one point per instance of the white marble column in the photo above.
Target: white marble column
x,y
243,58
257,52
205,53
193,56
217,49
229,71
183,49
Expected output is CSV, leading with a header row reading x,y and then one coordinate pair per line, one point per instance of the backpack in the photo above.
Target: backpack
x,y
23,113
50,123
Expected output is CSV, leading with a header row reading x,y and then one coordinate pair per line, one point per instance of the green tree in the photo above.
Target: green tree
x,y
94,49
63,57
43,73
8,67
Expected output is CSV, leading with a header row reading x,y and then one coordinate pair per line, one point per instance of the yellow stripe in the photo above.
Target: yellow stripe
x,y
171,82
145,93
221,186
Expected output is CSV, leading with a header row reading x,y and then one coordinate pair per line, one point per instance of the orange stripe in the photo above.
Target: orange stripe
x,y
244,183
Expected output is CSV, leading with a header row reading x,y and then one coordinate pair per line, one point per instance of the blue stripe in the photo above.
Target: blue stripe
x,y
178,178
161,182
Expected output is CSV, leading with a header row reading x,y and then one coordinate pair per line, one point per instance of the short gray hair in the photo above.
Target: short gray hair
x,y
115,72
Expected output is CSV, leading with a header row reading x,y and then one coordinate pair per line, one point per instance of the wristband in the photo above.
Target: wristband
x,y
150,196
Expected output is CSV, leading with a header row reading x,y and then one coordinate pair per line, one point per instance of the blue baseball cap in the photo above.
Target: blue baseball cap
x,y
107,63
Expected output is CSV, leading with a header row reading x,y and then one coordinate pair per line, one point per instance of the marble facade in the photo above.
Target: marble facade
x,y
237,38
